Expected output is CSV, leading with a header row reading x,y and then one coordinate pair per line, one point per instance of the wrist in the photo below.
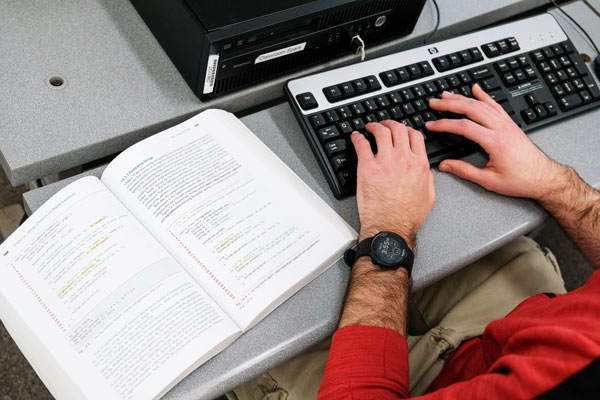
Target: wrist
x,y
561,180
409,235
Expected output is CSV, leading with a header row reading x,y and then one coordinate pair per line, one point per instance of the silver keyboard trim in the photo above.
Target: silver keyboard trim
x,y
532,33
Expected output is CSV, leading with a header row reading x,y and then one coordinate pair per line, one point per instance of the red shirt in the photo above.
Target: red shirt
x,y
542,342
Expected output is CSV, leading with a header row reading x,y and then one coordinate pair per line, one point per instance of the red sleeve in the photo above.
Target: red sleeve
x,y
366,362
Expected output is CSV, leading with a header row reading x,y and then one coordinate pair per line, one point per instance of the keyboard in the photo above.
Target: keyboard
x,y
529,66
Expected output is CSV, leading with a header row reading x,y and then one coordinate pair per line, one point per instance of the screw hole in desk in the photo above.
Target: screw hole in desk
x,y
56,82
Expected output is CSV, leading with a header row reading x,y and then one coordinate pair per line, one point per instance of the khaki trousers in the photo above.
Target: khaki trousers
x,y
440,317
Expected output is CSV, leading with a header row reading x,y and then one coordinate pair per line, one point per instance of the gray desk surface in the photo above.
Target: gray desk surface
x,y
466,223
121,86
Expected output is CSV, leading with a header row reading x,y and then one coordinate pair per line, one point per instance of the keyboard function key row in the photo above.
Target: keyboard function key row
x,y
458,59
406,74
353,88
500,47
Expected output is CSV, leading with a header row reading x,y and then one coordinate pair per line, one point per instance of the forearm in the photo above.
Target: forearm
x,y
576,206
376,297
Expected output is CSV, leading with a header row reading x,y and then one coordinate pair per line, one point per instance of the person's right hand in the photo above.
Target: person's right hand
x,y
517,167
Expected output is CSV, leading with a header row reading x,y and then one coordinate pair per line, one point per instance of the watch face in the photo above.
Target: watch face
x,y
388,249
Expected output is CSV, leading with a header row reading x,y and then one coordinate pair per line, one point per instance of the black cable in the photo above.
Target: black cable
x,y
579,26
437,23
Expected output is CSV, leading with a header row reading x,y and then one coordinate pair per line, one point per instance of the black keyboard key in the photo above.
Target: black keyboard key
x,y
532,99
530,73
571,72
520,75
360,86
555,64
551,108
358,124
513,44
415,71
569,88
497,95
406,122
430,87
464,77
347,89
529,116
453,80
418,121
441,63
419,91
407,94
570,102
565,61
370,105
557,49
317,120
347,178
357,109
490,84
429,116
455,60
541,112
480,72
420,105
509,79
345,128
592,87
476,54
503,46
513,63
395,98
328,133
403,74
426,68
372,83
407,109
389,78
344,112
561,76
585,96
383,115
548,53
331,116
466,56
442,84
307,101
491,50
545,67
537,55
579,85
466,91
382,100
558,91
396,113
340,162
523,61
370,118
333,93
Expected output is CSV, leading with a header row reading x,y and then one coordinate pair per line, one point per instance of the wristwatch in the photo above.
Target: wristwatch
x,y
388,250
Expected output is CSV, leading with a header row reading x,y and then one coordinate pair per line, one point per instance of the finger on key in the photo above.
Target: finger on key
x,y
399,133
362,147
383,137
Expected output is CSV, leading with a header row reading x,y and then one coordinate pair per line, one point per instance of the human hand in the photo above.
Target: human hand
x,y
395,189
517,167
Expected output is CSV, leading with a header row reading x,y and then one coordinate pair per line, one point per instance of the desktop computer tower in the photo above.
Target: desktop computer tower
x,y
221,46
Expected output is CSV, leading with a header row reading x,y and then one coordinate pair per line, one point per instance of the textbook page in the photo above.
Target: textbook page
x,y
235,216
98,306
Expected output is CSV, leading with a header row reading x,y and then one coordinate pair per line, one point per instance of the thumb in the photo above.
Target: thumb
x,y
465,170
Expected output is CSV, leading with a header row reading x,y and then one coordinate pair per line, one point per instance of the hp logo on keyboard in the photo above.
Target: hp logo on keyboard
x,y
433,50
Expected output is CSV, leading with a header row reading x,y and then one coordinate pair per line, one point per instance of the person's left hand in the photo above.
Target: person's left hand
x,y
395,189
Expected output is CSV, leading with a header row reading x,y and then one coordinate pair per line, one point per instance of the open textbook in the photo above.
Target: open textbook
x,y
117,288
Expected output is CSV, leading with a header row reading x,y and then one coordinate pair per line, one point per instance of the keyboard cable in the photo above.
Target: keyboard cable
x,y
575,22
437,23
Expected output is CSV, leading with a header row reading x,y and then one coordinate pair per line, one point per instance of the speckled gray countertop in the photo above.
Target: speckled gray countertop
x,y
121,86
466,223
